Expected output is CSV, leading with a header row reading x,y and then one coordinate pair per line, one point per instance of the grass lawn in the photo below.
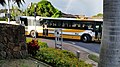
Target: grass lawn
x,y
21,63
93,57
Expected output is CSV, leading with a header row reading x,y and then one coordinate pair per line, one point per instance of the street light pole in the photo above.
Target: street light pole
x,y
35,19
8,11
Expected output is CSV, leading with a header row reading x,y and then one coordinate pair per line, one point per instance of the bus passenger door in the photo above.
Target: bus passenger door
x,y
45,30
98,32
24,22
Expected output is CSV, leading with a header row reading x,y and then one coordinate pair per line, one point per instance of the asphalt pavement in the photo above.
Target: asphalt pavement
x,y
93,46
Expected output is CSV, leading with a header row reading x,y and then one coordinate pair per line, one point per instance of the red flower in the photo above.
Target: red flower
x,y
33,47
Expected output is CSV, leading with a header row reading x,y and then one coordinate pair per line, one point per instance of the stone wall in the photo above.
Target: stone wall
x,y
12,42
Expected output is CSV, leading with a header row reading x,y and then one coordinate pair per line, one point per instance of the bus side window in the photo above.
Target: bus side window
x,y
76,26
86,27
59,24
97,27
41,22
90,27
70,24
65,25
24,21
53,24
50,24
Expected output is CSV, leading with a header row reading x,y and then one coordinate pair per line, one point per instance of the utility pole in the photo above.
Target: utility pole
x,y
8,11
35,19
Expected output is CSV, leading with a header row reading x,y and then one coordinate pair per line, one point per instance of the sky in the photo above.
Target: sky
x,y
75,7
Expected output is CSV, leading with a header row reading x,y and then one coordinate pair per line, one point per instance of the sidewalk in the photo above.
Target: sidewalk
x,y
70,47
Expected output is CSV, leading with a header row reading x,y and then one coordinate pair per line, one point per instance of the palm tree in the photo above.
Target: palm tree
x,y
110,49
3,2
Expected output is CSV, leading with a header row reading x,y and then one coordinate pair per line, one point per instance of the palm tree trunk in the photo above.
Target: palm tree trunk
x,y
110,49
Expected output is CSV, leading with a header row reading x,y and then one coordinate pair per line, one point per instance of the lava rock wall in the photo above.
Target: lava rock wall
x,y
12,42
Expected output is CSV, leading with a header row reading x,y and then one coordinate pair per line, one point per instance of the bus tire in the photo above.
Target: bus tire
x,y
32,33
86,38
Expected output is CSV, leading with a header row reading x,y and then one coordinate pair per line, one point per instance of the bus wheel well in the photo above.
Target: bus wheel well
x,y
86,38
32,33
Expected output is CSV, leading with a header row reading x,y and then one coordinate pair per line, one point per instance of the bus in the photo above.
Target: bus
x,y
79,29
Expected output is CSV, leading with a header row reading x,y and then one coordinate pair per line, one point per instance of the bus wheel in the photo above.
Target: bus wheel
x,y
32,33
86,38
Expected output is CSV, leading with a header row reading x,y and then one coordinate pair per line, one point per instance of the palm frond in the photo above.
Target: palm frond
x,y
2,2
19,2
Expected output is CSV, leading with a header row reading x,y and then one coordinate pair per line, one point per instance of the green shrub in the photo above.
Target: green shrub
x,y
2,19
42,44
28,40
94,57
59,58
67,53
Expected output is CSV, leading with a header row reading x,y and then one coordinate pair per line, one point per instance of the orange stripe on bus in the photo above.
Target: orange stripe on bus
x,y
68,30
77,37
72,30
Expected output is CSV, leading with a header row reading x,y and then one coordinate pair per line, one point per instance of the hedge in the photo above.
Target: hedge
x,y
59,58
56,57
2,19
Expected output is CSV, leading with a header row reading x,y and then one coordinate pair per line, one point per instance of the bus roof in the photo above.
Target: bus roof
x,y
50,18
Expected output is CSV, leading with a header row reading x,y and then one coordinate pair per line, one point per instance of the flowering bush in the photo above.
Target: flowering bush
x,y
33,47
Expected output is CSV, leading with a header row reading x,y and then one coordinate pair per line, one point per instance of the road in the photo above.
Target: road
x,y
93,46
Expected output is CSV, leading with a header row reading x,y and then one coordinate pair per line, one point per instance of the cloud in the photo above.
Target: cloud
x,y
84,7
80,7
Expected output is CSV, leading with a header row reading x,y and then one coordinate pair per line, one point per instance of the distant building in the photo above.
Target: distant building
x,y
81,17
74,16
68,15
97,17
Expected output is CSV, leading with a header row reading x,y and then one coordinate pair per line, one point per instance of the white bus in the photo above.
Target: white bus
x,y
80,29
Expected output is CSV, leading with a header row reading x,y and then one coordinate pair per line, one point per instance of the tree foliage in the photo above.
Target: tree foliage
x,y
15,11
98,15
45,9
